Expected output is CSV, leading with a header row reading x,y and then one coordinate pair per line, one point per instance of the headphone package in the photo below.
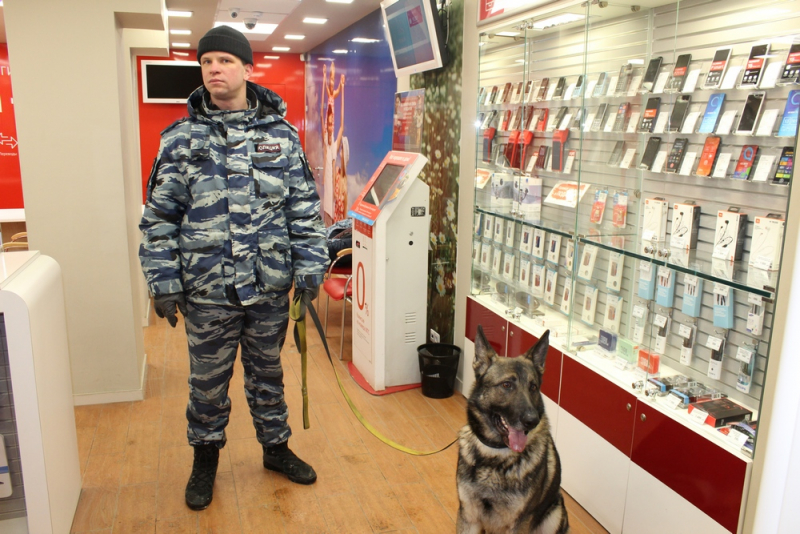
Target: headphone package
x,y
685,224
654,224
767,240
730,234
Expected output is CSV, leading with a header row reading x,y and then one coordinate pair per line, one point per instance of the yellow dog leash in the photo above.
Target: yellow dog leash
x,y
297,312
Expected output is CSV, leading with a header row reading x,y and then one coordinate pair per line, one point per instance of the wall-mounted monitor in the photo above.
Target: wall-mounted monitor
x,y
169,82
415,34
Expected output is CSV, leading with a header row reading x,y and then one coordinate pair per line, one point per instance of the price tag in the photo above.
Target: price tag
x,y
698,416
620,363
763,262
660,320
730,77
638,332
689,122
628,159
767,122
569,91
672,401
658,163
661,122
721,289
763,168
661,83
639,311
736,438
633,122
645,267
691,81
590,89
688,163
612,87
610,122
550,92
569,161
770,77
636,82
754,299
678,241
685,331
744,354
565,122
713,343
726,122
721,168
587,126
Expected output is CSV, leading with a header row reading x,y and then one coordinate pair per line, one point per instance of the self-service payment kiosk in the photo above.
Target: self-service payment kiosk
x,y
390,271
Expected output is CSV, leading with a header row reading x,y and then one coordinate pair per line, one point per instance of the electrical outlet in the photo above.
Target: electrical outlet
x,y
434,336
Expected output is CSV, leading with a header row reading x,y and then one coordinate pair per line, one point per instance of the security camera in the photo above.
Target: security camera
x,y
234,12
250,23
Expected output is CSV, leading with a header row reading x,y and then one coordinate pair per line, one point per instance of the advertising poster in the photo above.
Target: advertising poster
x,y
10,176
409,113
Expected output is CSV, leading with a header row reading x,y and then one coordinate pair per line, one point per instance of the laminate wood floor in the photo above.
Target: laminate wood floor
x,y
135,460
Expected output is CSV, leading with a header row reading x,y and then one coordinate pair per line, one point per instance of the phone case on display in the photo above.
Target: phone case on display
x,y
488,136
541,124
559,141
524,141
513,151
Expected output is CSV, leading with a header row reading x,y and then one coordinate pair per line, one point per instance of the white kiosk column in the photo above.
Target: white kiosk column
x,y
390,272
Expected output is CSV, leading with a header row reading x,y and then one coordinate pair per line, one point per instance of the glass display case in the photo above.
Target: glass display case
x,y
632,181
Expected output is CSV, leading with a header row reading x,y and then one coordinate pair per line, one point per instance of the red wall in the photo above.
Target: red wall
x,y
10,177
285,76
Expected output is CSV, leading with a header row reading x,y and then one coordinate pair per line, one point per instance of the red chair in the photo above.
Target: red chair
x,y
338,288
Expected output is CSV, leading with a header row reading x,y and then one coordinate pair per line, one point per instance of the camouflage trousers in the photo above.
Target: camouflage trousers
x,y
215,332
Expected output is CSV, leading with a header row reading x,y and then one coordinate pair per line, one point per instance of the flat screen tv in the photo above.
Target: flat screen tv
x,y
415,34
169,82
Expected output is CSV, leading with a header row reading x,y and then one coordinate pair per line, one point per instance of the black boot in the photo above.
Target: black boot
x,y
281,459
200,489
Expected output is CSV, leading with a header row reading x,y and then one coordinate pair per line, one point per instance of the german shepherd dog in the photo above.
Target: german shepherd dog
x,y
509,473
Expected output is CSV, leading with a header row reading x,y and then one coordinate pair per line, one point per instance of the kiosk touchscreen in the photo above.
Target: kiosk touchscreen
x,y
390,271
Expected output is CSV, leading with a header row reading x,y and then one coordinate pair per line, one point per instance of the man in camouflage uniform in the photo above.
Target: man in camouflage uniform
x,y
232,219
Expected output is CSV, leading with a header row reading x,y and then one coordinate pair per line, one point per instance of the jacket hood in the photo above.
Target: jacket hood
x,y
269,103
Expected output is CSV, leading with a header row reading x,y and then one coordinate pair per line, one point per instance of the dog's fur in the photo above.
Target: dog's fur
x,y
508,477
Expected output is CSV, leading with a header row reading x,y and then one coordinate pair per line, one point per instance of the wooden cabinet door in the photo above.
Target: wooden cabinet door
x,y
703,473
598,403
494,326
519,341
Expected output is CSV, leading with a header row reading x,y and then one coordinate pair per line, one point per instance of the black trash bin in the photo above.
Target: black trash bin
x,y
438,363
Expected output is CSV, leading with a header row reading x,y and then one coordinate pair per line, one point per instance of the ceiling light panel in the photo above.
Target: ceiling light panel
x,y
260,28
181,45
313,20
171,13
280,48
294,37
181,32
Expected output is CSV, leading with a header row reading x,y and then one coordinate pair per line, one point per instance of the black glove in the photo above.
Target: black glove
x,y
312,292
166,304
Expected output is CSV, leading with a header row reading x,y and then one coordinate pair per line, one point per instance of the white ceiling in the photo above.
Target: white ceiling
x,y
288,14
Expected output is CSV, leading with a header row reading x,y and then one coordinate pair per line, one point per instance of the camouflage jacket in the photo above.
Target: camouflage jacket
x,y
232,206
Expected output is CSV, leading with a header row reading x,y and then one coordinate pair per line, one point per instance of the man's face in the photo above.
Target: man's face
x,y
224,76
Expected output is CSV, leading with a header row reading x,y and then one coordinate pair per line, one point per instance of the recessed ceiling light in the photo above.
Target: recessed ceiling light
x,y
293,37
340,51
181,53
171,13
507,34
280,48
312,20
272,57
364,40
181,32
261,29
181,45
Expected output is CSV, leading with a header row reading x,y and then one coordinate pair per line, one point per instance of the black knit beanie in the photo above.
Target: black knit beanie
x,y
225,39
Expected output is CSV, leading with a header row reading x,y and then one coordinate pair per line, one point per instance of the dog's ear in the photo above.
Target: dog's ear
x,y
538,353
483,354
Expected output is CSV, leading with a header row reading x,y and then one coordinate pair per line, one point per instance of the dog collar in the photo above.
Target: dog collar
x,y
489,444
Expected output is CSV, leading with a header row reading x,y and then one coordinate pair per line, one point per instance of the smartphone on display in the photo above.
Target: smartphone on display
x,y
679,113
600,117
650,153
675,157
791,69
541,158
711,116
679,73
600,88
541,124
750,113
708,156
755,66
624,78
651,73
561,85
576,121
717,70
616,154
559,141
783,174
562,111
746,161
649,115
543,89
623,114
578,87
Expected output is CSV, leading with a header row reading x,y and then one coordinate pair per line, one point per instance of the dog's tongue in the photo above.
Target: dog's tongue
x,y
516,439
